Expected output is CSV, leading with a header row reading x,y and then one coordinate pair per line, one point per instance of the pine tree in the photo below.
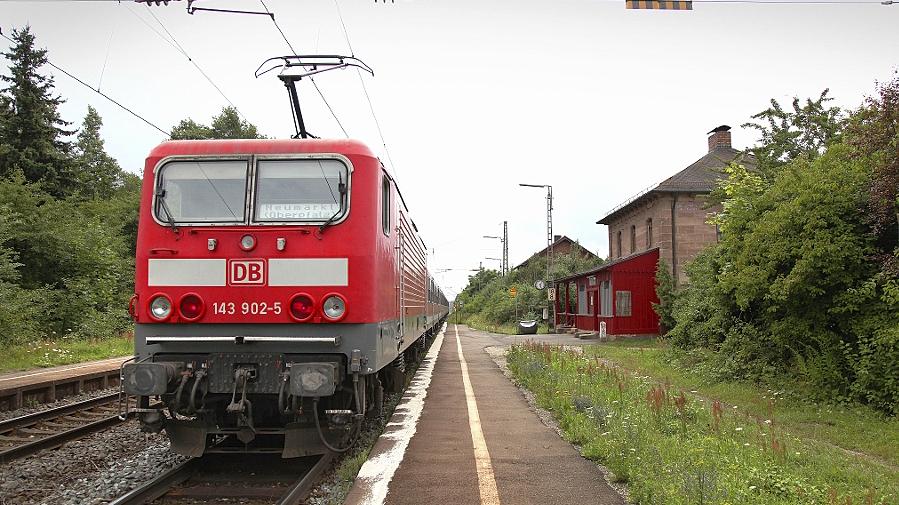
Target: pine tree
x,y
32,132
98,173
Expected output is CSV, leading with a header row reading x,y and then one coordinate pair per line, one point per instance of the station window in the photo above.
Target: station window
x,y
385,206
649,233
622,303
633,238
620,252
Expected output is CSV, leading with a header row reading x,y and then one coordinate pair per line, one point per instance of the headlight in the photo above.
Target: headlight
x,y
334,307
247,242
161,308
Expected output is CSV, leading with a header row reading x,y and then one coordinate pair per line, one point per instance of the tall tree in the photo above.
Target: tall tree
x,y
227,125
806,130
98,173
32,131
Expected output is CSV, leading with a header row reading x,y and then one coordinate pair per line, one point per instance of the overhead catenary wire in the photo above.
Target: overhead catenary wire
x,y
314,84
371,107
773,2
104,95
106,59
181,49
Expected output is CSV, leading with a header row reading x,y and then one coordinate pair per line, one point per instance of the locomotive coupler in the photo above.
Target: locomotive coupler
x,y
243,407
151,421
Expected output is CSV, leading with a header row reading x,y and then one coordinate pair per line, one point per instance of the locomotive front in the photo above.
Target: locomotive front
x,y
259,324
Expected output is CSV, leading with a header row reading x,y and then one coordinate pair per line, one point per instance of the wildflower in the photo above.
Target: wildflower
x,y
693,391
752,488
746,444
739,428
797,454
606,433
735,407
767,421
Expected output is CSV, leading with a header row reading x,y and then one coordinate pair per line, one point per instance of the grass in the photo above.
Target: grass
x,y
677,440
506,328
851,427
48,353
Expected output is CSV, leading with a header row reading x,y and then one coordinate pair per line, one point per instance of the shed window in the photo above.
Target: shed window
x,y
622,303
605,299
649,233
385,206
591,280
620,252
581,298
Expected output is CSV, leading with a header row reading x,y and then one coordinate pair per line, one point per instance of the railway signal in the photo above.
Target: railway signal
x,y
675,5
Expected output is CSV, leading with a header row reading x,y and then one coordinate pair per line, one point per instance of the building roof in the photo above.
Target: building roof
x,y
700,177
606,265
561,239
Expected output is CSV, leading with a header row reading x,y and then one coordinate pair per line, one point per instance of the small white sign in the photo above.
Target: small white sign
x,y
292,211
551,294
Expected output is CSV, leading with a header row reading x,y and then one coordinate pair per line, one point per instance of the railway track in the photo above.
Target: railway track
x,y
48,429
260,478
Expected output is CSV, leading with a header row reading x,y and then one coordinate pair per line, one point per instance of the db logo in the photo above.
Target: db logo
x,y
246,272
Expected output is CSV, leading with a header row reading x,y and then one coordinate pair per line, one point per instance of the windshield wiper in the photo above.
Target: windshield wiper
x,y
341,190
160,197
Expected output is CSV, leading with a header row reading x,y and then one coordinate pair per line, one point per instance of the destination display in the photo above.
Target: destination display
x,y
297,211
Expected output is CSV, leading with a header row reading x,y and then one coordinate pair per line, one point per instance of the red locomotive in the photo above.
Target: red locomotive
x,y
279,286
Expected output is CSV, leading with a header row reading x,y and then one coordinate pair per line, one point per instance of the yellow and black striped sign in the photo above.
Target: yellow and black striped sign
x,y
676,5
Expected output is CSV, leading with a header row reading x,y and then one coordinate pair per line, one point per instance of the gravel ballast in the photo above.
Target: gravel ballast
x,y
89,471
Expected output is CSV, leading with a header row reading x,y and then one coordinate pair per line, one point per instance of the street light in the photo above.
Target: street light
x,y
495,259
549,238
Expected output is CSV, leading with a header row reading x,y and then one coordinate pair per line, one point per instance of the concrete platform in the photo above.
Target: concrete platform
x,y
464,434
46,385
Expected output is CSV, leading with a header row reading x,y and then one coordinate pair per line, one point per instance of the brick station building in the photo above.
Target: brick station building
x,y
669,221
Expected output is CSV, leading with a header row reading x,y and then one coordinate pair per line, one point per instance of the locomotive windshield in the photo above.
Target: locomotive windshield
x,y
212,191
300,190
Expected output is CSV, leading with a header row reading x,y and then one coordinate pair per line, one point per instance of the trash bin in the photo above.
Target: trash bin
x,y
527,327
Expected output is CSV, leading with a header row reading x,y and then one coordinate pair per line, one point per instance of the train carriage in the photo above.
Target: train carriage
x,y
279,286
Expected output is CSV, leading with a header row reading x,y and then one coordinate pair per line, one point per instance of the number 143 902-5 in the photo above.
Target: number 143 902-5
x,y
254,308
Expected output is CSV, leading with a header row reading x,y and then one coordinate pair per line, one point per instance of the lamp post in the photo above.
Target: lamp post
x,y
494,259
549,238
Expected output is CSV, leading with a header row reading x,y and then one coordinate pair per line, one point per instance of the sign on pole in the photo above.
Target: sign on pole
x,y
551,294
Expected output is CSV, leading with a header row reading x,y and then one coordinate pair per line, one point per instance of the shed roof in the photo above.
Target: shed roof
x,y
607,265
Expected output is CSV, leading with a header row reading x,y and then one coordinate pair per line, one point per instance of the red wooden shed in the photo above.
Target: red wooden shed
x,y
620,294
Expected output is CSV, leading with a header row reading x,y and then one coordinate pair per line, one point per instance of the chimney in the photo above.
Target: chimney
x,y
719,137
556,238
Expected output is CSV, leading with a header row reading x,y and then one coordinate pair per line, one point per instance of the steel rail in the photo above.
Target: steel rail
x,y
300,490
166,484
158,486
44,415
57,438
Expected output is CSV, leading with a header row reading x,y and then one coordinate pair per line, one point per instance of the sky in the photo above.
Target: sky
x,y
473,97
